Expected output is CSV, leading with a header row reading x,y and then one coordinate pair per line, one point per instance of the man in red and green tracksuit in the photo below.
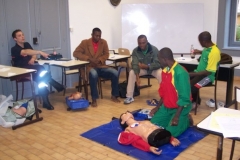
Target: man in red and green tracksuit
x,y
175,93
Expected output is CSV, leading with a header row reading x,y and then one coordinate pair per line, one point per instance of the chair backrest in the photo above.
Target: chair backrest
x,y
124,51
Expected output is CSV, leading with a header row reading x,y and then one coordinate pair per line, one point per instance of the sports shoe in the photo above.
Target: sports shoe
x,y
128,100
220,104
210,103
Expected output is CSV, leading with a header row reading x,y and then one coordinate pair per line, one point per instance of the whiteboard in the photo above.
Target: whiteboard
x,y
174,25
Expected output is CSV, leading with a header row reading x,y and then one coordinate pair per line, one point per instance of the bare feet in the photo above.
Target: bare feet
x,y
175,142
114,99
94,103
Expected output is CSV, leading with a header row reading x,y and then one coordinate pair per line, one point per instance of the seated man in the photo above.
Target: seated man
x,y
144,62
172,112
206,69
24,56
143,134
95,50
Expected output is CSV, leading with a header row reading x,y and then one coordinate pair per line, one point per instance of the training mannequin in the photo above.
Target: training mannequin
x,y
75,96
143,134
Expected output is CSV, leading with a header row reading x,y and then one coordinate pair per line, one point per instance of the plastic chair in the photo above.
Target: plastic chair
x,y
215,92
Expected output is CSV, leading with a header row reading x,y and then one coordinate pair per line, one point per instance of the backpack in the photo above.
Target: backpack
x,y
226,59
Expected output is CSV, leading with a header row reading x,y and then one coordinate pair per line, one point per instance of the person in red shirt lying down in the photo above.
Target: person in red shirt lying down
x,y
143,134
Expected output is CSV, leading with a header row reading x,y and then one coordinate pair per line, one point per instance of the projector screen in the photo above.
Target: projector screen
x,y
176,26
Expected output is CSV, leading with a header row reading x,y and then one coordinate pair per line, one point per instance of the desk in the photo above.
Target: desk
x,y
120,58
13,73
226,73
204,126
68,64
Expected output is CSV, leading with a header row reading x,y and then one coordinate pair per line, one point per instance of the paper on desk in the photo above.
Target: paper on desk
x,y
4,69
214,125
230,126
29,70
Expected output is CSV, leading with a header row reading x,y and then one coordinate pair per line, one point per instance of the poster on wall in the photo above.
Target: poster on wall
x,y
172,25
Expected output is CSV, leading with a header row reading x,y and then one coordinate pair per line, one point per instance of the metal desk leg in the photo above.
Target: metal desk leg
x,y
127,70
232,149
85,83
219,149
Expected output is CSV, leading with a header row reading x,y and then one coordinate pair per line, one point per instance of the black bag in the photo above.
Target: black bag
x,y
226,59
123,89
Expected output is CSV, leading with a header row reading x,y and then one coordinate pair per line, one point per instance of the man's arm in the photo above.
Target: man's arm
x,y
30,52
103,57
155,64
127,138
154,110
202,73
79,52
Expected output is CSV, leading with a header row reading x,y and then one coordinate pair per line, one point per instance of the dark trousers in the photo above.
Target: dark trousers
x,y
106,73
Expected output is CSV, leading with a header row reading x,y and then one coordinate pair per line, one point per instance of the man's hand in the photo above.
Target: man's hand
x,y
142,66
31,62
95,61
196,51
138,81
153,111
155,150
45,55
174,121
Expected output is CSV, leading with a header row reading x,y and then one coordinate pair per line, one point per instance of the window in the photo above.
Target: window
x,y
234,26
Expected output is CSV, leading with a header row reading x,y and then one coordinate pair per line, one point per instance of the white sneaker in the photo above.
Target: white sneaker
x,y
220,104
128,100
210,103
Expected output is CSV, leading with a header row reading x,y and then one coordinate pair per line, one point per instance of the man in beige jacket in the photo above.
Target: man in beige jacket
x,y
95,50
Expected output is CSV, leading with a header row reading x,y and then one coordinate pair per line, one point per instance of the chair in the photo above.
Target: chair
x,y
64,77
215,91
21,80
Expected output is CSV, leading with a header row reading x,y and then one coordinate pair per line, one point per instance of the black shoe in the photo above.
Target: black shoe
x,y
59,87
48,106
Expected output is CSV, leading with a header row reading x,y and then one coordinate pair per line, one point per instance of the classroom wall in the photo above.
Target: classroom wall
x,y
84,15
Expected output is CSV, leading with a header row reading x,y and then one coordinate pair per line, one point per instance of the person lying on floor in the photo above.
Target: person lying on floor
x,y
143,134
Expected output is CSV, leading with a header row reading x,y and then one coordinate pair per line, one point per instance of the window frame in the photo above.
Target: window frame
x,y
232,24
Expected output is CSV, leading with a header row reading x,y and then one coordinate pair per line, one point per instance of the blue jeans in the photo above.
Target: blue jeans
x,y
106,73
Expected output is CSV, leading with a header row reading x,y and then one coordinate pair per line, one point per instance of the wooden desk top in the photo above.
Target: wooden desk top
x,y
63,63
117,57
186,59
9,71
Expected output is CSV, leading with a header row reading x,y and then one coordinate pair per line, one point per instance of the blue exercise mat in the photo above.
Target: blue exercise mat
x,y
107,135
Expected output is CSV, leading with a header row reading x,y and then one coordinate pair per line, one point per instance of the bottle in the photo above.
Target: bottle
x,y
54,51
192,52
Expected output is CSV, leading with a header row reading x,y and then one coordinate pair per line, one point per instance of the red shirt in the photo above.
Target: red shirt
x,y
95,46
